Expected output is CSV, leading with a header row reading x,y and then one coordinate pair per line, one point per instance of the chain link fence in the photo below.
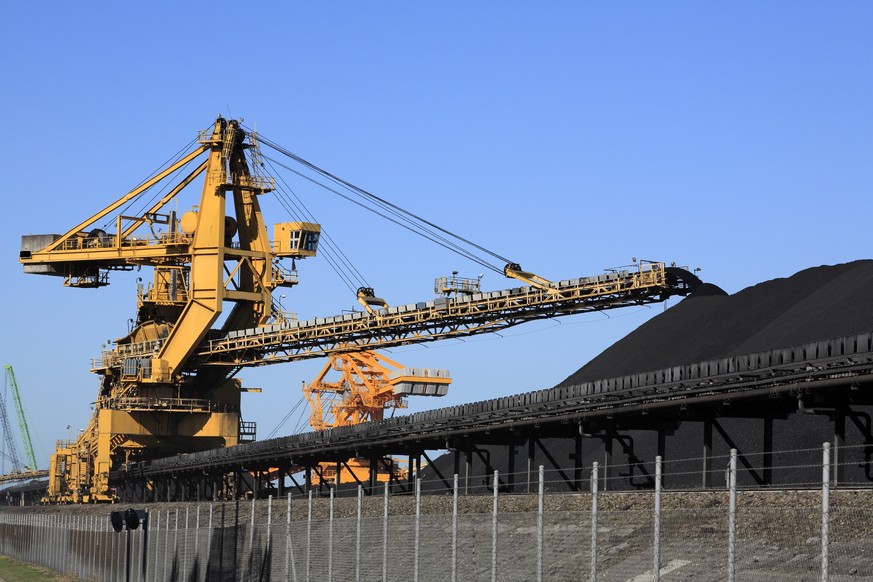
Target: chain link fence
x,y
813,534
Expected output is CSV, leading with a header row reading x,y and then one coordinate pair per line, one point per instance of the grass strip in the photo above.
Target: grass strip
x,y
15,571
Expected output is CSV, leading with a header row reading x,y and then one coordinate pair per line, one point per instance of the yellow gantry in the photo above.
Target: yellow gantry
x,y
155,401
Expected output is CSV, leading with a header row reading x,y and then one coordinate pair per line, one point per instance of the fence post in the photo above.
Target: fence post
x,y
36,537
118,557
197,537
309,537
385,532
358,535
68,530
455,529
93,546
268,550
289,548
825,508
54,523
69,558
66,558
185,546
83,541
330,534
157,538
251,537
209,540
80,546
220,543
236,543
144,558
74,544
494,529
31,547
166,542
594,480
46,541
417,527
176,538
33,535
109,542
50,549
656,566
41,544
540,522
732,517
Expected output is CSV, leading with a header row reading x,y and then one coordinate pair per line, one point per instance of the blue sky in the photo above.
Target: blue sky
x,y
568,136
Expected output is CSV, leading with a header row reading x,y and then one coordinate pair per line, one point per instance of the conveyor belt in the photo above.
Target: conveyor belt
x,y
425,321
809,366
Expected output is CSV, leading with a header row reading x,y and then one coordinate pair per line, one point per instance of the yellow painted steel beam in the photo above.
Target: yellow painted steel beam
x,y
123,200
147,252
243,295
206,288
163,201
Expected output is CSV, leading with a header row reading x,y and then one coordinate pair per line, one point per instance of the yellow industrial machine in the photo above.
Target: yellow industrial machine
x,y
168,386
152,396
369,384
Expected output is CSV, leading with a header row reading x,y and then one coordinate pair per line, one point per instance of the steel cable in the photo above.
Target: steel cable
x,y
373,197
412,228
414,223
351,272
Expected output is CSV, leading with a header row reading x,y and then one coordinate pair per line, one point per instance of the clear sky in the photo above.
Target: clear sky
x,y
569,136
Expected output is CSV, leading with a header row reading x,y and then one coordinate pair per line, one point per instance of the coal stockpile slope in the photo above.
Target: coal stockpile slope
x,y
815,304
818,303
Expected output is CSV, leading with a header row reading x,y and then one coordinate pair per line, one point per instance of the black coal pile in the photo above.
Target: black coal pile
x,y
814,304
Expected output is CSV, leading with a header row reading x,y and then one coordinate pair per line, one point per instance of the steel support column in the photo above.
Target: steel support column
x,y
510,477
768,451
468,469
839,441
577,463
531,455
607,456
707,454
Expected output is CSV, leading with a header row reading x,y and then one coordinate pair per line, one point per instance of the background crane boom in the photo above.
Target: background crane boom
x,y
30,457
9,437
22,419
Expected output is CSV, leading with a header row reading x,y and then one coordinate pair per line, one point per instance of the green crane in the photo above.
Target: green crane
x,y
22,421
